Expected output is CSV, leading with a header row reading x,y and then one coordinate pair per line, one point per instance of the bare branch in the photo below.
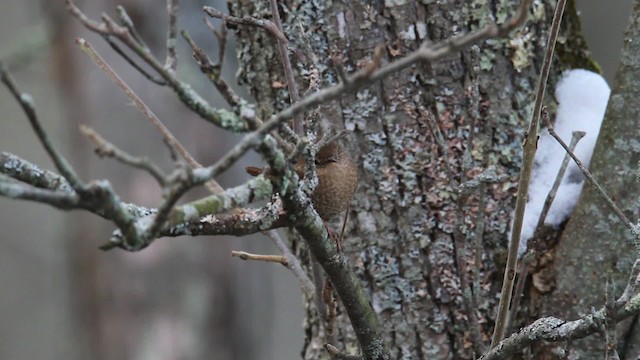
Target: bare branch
x,y
247,20
172,62
168,137
576,136
292,87
126,21
105,148
238,223
222,39
26,102
530,147
612,205
292,262
220,117
213,73
525,260
17,191
258,257
555,330
24,171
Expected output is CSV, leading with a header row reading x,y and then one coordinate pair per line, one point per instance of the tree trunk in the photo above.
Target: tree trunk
x,y
417,136
595,246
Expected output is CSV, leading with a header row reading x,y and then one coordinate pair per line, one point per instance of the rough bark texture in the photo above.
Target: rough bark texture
x,y
595,244
403,234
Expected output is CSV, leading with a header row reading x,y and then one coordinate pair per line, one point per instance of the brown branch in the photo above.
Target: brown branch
x,y
292,86
167,136
525,259
530,148
258,257
213,73
275,29
612,205
220,117
292,262
247,20
222,39
107,149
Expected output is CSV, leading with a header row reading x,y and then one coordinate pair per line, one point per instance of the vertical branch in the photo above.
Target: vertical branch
x,y
576,136
26,102
172,58
526,258
171,141
530,146
294,96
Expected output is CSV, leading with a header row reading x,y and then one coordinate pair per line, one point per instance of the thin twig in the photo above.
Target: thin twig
x,y
213,72
126,21
552,329
609,326
167,136
575,138
221,117
258,257
105,148
172,61
222,39
525,260
247,20
275,29
29,173
530,147
612,205
632,285
180,184
135,65
26,102
294,95
231,97
292,262
330,319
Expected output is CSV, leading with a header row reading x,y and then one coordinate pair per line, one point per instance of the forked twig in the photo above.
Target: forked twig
x,y
612,205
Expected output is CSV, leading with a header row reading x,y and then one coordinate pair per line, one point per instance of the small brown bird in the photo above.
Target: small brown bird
x,y
337,180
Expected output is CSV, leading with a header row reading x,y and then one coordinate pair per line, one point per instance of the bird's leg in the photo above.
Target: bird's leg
x,y
333,235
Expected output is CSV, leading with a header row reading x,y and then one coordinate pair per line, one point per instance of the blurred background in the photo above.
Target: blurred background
x,y
184,298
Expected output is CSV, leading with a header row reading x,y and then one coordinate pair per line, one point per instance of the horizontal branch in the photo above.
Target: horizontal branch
x,y
32,175
13,190
554,329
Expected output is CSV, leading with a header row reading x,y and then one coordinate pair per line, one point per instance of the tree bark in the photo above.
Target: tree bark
x,y
417,136
595,246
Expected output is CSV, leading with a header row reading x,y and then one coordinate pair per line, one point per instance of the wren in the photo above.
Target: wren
x,y
337,180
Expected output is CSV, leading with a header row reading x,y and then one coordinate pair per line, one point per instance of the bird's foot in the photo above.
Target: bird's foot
x,y
334,236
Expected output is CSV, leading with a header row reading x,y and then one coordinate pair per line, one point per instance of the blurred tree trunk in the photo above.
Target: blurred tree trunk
x,y
402,235
173,301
